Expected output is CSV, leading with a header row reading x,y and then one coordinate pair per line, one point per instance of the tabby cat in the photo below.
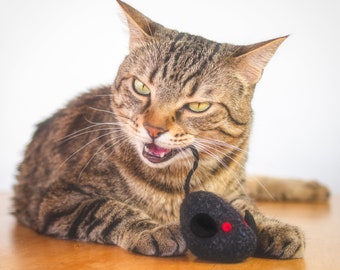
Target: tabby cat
x,y
110,167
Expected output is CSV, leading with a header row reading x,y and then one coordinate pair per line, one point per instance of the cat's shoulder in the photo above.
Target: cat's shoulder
x,y
95,96
78,109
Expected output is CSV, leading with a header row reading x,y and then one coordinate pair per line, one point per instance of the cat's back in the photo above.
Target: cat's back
x,y
58,145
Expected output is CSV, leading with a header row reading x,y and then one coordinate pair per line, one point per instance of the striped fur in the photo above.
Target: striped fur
x,y
85,175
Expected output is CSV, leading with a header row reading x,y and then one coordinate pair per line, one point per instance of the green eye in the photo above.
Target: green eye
x,y
198,106
141,88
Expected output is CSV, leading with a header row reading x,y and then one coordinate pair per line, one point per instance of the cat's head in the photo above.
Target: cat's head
x,y
174,90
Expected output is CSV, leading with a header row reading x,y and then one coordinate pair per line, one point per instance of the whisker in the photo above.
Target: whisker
x,y
101,110
211,148
221,144
89,131
82,148
256,179
108,95
104,123
185,157
204,149
100,149
264,187
88,127
219,160
119,141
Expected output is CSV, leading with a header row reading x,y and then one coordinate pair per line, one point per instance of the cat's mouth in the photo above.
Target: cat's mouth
x,y
157,154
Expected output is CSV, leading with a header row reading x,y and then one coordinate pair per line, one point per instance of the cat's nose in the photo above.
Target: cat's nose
x,y
154,132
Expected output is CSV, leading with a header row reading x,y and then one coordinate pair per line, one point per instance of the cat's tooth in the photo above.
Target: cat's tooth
x,y
162,155
146,149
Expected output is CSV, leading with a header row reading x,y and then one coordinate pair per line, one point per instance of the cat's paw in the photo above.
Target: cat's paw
x,y
279,240
164,241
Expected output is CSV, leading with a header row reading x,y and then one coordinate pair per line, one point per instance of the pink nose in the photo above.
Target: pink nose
x,y
154,132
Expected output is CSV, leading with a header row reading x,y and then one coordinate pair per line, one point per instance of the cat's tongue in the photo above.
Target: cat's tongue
x,y
155,153
156,150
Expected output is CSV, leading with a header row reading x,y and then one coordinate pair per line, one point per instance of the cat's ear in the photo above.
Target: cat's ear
x,y
141,27
251,60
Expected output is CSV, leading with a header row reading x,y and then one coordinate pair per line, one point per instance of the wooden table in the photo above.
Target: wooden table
x,y
21,248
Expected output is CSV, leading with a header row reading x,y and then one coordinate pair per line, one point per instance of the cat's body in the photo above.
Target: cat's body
x,y
111,166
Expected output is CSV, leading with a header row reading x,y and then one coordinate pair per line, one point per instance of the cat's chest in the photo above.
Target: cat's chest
x,y
162,199
165,207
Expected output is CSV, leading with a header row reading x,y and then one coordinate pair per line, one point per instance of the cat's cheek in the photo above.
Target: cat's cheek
x,y
176,139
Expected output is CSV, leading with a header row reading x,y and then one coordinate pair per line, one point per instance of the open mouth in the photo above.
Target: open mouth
x,y
157,154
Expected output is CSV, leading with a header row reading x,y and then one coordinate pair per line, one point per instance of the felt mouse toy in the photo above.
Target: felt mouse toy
x,y
212,228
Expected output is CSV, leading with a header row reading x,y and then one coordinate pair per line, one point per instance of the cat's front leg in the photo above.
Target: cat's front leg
x,y
275,238
108,221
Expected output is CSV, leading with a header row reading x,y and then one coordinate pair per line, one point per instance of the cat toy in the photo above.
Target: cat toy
x,y
212,228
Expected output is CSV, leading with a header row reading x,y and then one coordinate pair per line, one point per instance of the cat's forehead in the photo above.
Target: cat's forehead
x,y
186,52
183,61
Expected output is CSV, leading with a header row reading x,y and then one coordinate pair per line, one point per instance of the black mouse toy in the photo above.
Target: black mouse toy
x,y
212,228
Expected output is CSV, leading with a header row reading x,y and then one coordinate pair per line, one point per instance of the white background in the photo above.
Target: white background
x,y
52,50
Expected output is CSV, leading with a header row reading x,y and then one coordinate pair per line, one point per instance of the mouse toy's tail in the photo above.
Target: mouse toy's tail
x,y
193,169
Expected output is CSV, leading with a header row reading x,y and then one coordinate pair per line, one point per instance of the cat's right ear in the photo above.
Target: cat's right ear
x,y
141,27
252,59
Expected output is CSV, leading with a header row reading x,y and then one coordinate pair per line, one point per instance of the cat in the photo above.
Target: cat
x,y
110,166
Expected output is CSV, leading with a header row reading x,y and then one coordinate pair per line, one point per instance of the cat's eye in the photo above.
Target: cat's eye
x,y
198,106
140,88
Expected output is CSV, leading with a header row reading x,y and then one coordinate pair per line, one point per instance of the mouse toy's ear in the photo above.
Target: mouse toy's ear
x,y
249,219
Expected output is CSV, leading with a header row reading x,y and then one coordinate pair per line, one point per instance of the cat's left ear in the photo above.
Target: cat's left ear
x,y
141,27
251,60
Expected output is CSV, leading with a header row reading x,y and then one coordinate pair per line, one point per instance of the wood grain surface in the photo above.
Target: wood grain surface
x,y
21,248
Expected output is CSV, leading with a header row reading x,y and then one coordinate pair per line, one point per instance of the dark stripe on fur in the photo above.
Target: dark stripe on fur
x,y
230,135
171,50
215,51
141,225
53,217
119,83
122,215
153,74
236,122
173,44
93,221
225,163
193,89
111,226
156,245
203,65
227,160
87,209
67,187
195,74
